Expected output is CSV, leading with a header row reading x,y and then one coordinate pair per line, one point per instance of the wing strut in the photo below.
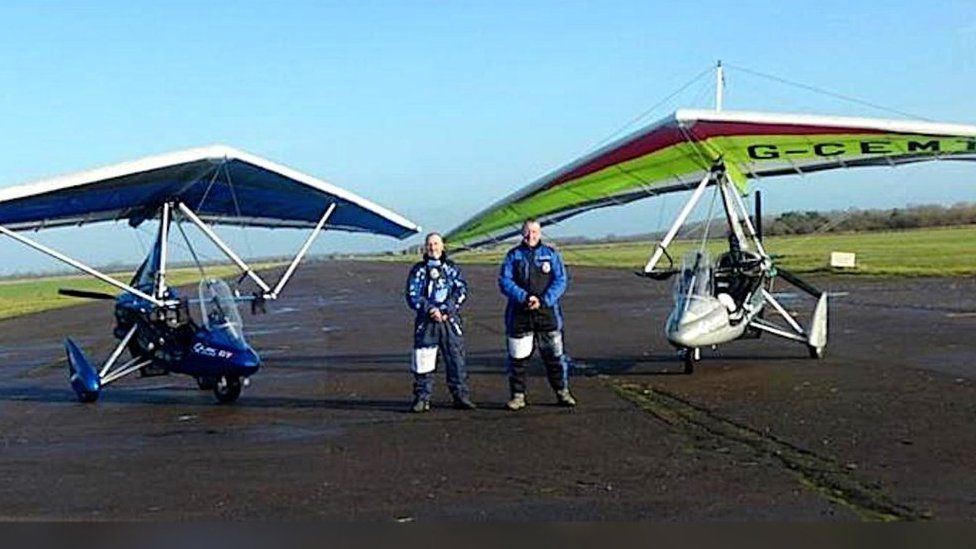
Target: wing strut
x,y
224,247
81,266
165,217
301,253
269,293
659,251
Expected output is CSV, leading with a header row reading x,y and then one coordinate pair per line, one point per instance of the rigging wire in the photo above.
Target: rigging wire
x,y
189,246
210,184
822,91
593,260
708,220
704,90
697,97
661,209
208,258
646,112
237,208
142,245
830,224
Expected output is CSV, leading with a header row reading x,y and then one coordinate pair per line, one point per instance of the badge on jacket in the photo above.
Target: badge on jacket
x,y
546,267
435,273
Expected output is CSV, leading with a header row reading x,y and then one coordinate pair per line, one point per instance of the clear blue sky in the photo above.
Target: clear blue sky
x,y
435,109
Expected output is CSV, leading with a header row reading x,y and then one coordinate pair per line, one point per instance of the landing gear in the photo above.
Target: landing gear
x,y
690,356
87,396
227,389
816,352
206,383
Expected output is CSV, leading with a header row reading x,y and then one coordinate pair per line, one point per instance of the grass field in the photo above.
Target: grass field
x,y
919,252
20,297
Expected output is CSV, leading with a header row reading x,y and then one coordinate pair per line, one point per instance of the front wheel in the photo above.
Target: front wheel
x,y
227,389
690,356
206,383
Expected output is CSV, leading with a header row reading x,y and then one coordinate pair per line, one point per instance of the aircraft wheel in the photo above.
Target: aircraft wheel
x,y
227,389
689,356
206,383
87,396
816,352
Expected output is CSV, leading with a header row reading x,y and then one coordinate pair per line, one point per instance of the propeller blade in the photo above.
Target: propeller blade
x,y
798,282
758,216
258,304
657,275
85,294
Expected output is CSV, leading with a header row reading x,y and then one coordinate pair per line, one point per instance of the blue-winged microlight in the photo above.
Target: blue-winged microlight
x,y
159,330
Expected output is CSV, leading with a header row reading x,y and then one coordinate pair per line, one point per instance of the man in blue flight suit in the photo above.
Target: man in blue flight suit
x,y
533,278
436,290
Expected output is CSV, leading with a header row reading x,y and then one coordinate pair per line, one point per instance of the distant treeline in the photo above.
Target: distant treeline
x,y
806,222
912,217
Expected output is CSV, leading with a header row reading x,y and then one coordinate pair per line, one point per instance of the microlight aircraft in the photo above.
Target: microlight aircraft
x,y
719,301
161,330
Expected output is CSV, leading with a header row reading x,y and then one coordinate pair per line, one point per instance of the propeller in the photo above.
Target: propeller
x,y
757,213
798,282
258,304
85,294
657,275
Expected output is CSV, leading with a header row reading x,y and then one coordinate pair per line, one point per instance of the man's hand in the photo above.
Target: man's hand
x,y
435,314
533,303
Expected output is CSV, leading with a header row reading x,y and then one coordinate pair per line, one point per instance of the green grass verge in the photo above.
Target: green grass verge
x,y
20,297
918,252
948,251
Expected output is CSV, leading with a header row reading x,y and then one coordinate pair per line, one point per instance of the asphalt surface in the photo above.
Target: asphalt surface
x,y
881,429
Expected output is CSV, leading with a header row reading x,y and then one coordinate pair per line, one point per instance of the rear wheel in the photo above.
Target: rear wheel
x,y
227,389
87,396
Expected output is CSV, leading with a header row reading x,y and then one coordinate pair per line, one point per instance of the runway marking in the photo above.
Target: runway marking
x,y
832,480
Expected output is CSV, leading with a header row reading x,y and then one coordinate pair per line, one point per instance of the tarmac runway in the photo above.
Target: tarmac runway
x,y
881,429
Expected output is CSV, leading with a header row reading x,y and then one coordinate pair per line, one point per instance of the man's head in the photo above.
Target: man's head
x,y
434,245
531,232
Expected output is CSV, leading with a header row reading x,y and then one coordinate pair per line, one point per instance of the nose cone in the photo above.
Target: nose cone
x,y
249,360
701,323
244,361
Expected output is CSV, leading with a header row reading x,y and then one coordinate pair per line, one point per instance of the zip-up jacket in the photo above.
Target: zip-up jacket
x,y
535,271
436,283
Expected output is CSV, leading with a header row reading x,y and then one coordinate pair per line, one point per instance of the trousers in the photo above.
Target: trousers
x,y
444,339
550,345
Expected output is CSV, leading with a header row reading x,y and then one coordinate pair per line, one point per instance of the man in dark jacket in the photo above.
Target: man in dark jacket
x,y
533,278
436,290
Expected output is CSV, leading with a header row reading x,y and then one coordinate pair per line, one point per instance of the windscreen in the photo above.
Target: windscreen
x,y
218,308
695,279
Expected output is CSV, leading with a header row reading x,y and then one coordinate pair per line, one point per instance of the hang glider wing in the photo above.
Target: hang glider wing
x,y
675,153
221,184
